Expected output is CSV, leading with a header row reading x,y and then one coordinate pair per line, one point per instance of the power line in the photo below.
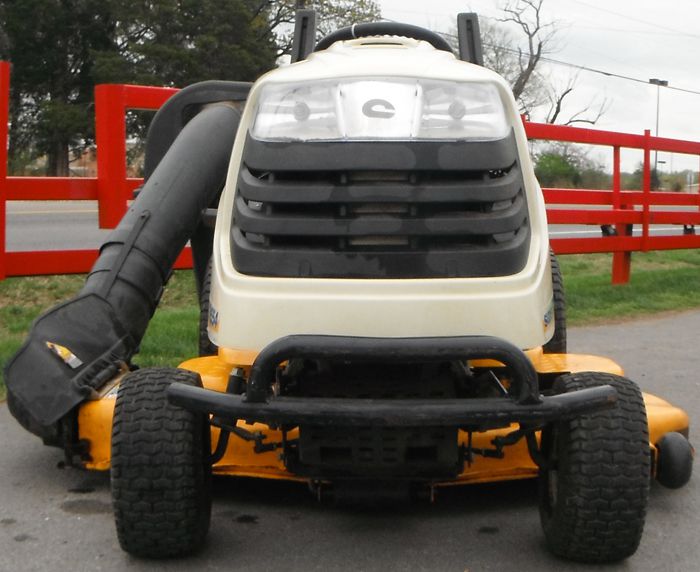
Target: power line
x,y
582,67
578,66
669,32
632,18
655,25
611,74
644,32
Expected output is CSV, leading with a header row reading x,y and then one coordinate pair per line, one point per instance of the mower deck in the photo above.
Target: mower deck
x,y
241,459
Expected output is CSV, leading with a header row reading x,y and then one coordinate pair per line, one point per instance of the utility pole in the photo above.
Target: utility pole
x,y
659,83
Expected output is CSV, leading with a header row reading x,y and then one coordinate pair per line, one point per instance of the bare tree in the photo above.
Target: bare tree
x,y
539,34
589,114
516,48
502,55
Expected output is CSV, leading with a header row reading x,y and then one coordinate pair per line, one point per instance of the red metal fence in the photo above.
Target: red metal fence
x,y
111,188
4,116
617,208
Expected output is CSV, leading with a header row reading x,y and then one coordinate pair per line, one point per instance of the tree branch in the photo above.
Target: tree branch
x,y
556,100
526,14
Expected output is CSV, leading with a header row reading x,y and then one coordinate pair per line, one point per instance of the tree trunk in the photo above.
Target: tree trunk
x,y
57,161
14,146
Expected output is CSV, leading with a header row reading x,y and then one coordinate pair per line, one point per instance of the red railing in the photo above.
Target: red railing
x,y
617,208
4,117
112,189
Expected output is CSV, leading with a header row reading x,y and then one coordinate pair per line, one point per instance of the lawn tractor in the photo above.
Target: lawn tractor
x,y
379,301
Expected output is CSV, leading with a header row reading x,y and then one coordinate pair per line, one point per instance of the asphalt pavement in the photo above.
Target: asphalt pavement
x,y
53,225
54,518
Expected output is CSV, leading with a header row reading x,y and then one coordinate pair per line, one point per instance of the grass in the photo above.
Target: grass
x,y
661,282
171,336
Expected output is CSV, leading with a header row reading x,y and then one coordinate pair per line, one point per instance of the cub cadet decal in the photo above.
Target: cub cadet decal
x,y
213,319
379,108
67,356
549,315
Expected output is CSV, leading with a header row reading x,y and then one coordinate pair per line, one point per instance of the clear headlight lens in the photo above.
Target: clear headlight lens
x,y
387,109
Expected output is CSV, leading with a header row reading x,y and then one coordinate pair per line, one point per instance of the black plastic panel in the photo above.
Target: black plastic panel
x,y
380,209
384,155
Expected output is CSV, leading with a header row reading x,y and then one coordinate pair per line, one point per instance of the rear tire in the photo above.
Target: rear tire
x,y
557,345
593,496
161,475
206,346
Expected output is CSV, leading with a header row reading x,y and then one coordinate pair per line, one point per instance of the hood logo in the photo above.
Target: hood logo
x,y
379,108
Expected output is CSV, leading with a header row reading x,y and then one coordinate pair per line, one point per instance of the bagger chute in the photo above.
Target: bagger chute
x,y
103,325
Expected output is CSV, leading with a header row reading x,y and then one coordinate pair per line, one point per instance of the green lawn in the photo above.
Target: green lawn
x,y
661,281
171,335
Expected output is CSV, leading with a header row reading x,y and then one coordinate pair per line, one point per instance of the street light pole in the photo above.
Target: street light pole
x,y
658,83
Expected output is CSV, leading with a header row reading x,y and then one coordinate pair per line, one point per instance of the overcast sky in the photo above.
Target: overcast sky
x,y
640,39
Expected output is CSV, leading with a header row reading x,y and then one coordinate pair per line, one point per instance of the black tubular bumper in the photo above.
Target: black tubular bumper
x,y
522,404
392,412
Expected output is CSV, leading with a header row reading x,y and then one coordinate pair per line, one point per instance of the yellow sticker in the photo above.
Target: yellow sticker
x,y
68,357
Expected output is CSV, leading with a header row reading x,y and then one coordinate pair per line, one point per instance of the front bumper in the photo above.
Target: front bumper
x,y
392,412
523,404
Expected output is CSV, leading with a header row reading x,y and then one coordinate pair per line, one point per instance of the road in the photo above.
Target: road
x,y
54,519
67,225
53,225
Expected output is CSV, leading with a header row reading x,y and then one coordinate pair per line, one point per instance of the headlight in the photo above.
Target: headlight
x,y
387,109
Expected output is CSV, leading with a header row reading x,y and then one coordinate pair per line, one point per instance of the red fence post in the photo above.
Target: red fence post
x,y
646,188
110,136
622,260
4,116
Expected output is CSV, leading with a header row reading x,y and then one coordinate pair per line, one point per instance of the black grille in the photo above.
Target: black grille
x,y
362,451
380,210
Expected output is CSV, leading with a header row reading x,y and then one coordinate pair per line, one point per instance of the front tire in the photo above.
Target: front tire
x,y
593,494
161,475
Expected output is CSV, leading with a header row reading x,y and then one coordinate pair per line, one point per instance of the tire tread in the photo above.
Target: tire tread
x,y
160,476
557,345
603,477
206,346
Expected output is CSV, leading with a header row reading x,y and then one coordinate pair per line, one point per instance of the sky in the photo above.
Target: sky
x,y
639,39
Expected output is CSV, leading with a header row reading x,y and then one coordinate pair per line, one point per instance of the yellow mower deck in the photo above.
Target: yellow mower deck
x,y
95,423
